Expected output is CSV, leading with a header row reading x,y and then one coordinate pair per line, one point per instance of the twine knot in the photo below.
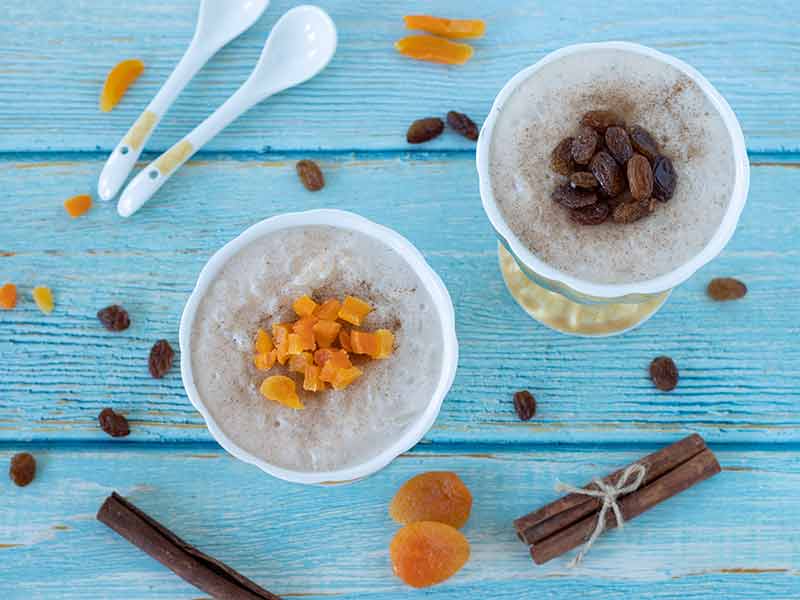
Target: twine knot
x,y
608,493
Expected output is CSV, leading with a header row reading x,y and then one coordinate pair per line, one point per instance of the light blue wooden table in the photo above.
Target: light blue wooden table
x,y
735,537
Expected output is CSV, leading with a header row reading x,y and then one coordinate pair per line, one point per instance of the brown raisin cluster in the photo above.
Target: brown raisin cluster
x,y
614,171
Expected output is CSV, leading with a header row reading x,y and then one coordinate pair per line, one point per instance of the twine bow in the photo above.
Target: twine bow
x,y
608,493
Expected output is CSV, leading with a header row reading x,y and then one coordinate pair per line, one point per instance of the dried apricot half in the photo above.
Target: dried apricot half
x,y
426,553
43,296
282,390
438,496
8,296
118,81
434,49
449,28
78,205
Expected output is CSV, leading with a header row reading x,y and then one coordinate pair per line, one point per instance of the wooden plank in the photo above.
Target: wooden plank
x,y
53,61
739,361
734,536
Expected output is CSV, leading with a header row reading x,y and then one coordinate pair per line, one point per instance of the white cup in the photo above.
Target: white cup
x,y
576,306
433,284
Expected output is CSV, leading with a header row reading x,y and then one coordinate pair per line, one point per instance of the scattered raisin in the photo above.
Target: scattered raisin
x,y
722,289
525,405
594,214
643,142
664,373
160,360
423,130
630,212
113,424
22,469
640,177
584,145
463,125
561,160
311,175
114,318
608,173
569,197
438,496
426,553
602,119
583,179
664,179
619,144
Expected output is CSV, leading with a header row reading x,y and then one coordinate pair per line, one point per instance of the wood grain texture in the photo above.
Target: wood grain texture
x,y
734,536
739,361
54,58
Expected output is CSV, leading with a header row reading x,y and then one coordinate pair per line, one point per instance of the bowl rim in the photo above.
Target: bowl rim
x,y
430,279
658,284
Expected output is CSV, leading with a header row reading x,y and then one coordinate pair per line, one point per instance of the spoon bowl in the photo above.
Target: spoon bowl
x,y
220,21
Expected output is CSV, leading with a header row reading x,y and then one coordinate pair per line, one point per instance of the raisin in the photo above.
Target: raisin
x,y
423,130
583,179
619,144
643,142
426,553
664,179
525,405
584,145
113,424
594,214
608,173
640,177
160,360
664,373
463,125
630,212
438,496
114,318
569,197
22,469
722,289
602,119
561,159
311,175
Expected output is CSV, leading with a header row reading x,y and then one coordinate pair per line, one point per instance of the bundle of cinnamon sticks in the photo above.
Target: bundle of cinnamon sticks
x,y
569,521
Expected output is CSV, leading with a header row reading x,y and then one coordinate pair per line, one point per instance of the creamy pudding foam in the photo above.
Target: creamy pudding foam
x,y
256,288
545,108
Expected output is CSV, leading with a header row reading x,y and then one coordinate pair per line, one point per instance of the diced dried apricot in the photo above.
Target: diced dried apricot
x,y
264,361
325,332
311,381
337,357
344,340
295,345
426,553
8,296
43,296
282,390
299,362
385,344
328,310
304,306
433,49
364,342
305,329
354,310
328,372
280,333
78,205
449,28
438,496
118,81
263,342
345,377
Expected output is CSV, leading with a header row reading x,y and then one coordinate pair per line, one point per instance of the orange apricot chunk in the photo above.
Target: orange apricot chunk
x,y
426,553
282,390
354,310
263,342
328,310
118,81
449,28
328,372
433,49
264,361
385,344
78,205
304,306
311,380
299,362
364,342
326,332
343,378
43,296
344,340
280,332
438,496
8,296
337,357
305,329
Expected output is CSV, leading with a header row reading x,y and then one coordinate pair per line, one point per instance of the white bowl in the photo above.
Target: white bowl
x,y
433,284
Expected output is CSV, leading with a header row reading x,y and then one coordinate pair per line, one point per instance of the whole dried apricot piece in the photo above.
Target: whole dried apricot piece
x,y
78,205
282,390
438,496
118,81
43,296
449,28
8,296
433,49
426,553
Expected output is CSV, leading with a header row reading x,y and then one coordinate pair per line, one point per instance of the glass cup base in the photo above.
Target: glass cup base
x,y
557,312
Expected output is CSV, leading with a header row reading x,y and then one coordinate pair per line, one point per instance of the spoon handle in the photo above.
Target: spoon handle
x,y
123,158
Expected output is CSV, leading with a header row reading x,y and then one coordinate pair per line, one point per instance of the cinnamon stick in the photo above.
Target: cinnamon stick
x,y
565,511
186,561
697,469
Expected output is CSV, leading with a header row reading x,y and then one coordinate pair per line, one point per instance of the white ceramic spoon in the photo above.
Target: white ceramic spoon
x,y
218,22
300,45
